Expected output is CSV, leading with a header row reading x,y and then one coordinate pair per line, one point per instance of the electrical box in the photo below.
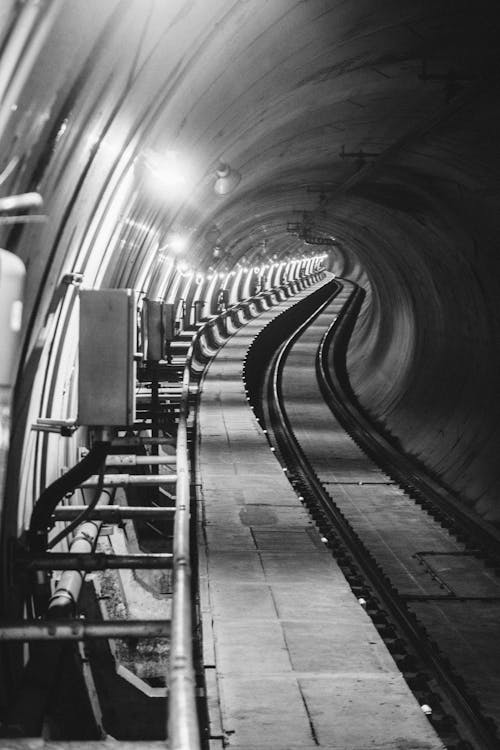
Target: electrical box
x,y
152,310
198,305
107,368
169,320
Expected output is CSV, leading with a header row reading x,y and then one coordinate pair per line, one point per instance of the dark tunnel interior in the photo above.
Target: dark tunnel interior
x,y
374,126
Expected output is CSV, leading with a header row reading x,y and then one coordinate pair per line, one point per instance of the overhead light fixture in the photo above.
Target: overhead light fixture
x,y
227,179
175,243
167,177
212,234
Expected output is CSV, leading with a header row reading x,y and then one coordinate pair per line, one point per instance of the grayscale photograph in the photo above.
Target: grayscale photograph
x,y
249,375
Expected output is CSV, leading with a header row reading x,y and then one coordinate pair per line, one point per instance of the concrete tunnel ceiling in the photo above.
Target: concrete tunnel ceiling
x,y
378,120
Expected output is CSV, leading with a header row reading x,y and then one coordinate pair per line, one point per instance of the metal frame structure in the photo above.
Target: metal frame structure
x,y
183,730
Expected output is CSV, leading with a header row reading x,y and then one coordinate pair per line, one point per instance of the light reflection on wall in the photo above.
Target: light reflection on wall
x,y
100,241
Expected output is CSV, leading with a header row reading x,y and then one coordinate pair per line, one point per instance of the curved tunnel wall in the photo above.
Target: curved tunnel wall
x,y
418,227
424,359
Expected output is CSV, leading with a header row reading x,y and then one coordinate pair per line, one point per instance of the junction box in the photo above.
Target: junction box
x,y
159,322
107,351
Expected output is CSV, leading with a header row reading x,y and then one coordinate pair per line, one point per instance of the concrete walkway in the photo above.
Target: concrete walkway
x,y
291,658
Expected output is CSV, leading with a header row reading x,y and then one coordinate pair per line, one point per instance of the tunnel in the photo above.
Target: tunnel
x,y
197,151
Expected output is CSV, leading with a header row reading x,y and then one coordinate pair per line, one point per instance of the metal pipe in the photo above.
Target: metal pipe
x,y
122,480
57,423
183,729
54,493
48,428
130,459
163,395
145,389
133,442
112,513
64,600
94,561
29,743
79,630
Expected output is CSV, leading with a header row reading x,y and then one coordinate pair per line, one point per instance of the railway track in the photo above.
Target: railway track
x,y
424,571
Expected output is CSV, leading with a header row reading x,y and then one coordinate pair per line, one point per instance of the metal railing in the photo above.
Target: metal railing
x,y
183,730
183,723
183,726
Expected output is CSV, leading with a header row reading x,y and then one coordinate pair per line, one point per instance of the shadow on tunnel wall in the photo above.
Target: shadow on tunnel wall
x,y
424,358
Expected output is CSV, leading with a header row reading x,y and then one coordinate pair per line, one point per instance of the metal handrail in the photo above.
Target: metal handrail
x,y
183,729
183,726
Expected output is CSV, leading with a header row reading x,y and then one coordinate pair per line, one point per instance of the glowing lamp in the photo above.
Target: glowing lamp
x,y
177,243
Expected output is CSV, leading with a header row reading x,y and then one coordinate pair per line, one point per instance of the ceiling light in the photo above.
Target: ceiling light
x,y
227,179
212,234
177,243
167,168
167,176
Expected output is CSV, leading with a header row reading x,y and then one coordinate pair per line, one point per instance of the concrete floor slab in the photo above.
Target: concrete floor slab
x,y
296,600
372,710
251,647
297,661
312,567
265,713
239,566
229,539
341,645
252,601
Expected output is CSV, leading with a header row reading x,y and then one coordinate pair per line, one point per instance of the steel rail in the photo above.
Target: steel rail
x,y
406,471
292,454
338,397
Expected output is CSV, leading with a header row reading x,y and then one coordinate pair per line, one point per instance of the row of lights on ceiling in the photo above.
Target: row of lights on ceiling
x,y
167,171
186,270
176,244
